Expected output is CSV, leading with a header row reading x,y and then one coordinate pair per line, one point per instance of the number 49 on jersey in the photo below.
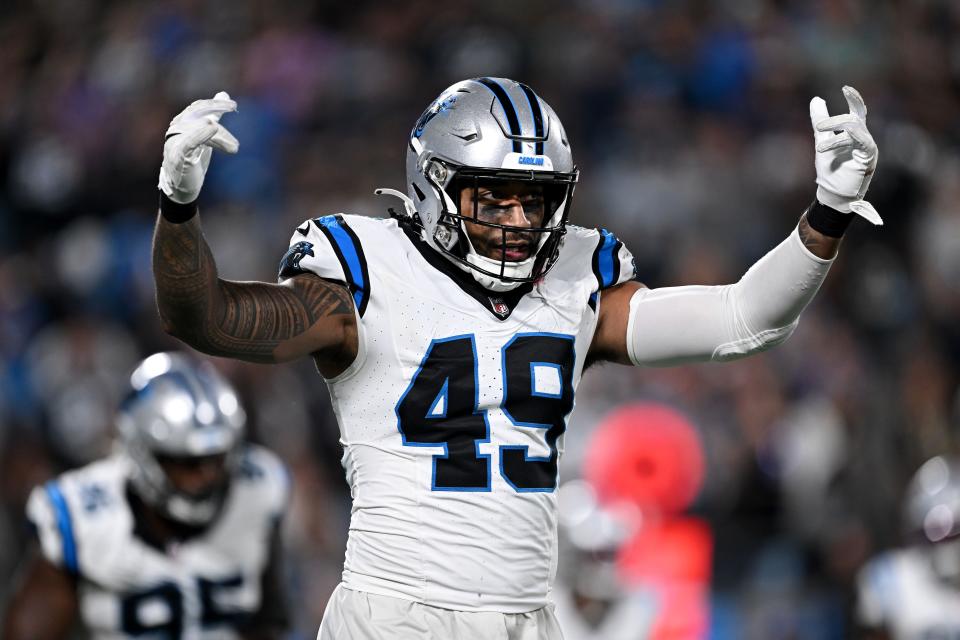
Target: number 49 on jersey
x,y
441,408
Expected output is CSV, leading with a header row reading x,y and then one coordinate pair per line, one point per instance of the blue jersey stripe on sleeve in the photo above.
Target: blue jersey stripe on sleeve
x,y
606,263
346,244
62,513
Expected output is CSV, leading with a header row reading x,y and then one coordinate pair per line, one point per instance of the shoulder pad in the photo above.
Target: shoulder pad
x,y
264,478
329,247
49,513
596,253
71,511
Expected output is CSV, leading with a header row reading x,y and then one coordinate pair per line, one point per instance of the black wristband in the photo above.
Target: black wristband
x,y
828,221
174,211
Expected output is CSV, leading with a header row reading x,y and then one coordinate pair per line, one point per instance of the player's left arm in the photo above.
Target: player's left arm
x,y
43,605
677,325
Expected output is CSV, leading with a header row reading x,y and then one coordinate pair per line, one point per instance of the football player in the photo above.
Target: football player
x,y
174,536
592,599
453,334
632,565
914,592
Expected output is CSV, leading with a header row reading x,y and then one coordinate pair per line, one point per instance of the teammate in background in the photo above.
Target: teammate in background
x,y
453,335
634,566
914,592
591,597
174,536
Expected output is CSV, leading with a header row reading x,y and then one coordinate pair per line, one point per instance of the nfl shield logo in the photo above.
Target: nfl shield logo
x,y
499,307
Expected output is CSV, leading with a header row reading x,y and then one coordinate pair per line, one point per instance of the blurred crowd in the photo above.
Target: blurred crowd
x,y
689,123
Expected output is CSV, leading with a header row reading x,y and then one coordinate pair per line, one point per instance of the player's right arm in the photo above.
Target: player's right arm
x,y
43,605
254,321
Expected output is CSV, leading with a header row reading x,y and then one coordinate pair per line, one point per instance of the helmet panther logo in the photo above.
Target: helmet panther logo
x,y
439,105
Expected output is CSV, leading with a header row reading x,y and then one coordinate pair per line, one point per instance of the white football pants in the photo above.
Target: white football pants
x,y
355,615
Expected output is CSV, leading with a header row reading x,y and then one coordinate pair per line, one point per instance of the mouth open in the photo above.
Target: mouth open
x,y
515,252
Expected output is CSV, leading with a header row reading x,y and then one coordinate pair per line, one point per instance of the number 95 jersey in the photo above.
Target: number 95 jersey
x,y
453,413
206,586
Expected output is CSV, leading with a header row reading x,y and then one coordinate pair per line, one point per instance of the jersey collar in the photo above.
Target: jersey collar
x,y
500,304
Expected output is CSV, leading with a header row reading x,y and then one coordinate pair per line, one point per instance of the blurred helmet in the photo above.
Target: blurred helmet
x,y
480,132
932,507
179,409
591,538
932,515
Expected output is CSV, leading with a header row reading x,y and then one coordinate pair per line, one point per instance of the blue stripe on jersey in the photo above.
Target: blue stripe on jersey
x,y
62,513
606,256
352,260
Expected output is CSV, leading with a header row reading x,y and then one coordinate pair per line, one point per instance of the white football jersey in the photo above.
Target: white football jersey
x,y
899,591
198,589
452,416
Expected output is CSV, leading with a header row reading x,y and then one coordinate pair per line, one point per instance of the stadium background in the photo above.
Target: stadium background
x,y
689,123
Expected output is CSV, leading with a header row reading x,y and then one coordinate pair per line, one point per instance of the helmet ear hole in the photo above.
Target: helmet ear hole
x,y
444,237
438,172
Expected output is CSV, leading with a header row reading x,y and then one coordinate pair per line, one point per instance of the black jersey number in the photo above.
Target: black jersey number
x,y
165,605
440,408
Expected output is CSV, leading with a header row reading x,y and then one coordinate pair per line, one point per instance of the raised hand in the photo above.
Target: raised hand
x,y
846,156
191,138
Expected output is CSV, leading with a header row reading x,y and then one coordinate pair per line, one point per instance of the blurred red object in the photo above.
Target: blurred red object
x,y
674,558
676,551
648,455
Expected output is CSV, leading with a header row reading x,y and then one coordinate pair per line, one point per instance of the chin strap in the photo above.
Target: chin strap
x,y
408,207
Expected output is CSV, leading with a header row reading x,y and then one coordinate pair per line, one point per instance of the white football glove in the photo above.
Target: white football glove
x,y
846,156
191,138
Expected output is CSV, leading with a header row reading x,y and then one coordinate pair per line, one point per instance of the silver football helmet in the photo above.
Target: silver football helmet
x,y
179,408
487,131
591,536
932,514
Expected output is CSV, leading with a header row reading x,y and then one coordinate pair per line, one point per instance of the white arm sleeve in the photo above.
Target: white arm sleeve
x,y
674,325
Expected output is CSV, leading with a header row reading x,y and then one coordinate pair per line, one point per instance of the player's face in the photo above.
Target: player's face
x,y
514,204
195,477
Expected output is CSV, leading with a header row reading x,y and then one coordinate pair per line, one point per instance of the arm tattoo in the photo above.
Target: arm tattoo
x,y
245,320
819,245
